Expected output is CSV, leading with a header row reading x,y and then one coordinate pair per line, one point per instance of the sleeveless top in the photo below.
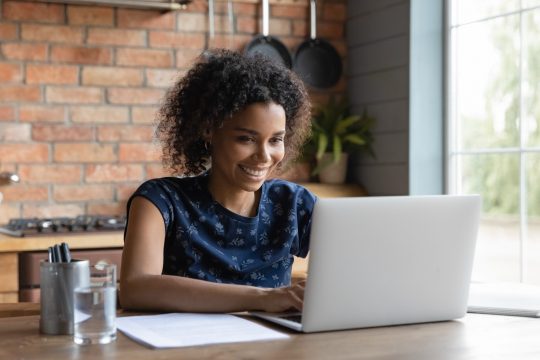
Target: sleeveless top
x,y
204,240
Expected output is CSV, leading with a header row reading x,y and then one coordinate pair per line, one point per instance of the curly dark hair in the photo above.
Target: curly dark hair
x,y
220,84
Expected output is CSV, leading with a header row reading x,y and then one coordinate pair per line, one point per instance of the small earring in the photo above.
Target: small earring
x,y
207,146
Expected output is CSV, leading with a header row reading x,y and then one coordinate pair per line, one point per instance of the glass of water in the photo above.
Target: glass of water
x,y
95,307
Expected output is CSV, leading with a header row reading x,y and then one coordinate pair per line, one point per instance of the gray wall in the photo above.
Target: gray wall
x,y
378,79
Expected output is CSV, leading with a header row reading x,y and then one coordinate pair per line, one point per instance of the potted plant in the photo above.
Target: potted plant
x,y
336,133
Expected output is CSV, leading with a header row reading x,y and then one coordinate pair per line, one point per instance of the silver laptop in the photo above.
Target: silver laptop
x,y
377,261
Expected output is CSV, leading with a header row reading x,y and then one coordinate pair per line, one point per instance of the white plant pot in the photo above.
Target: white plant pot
x,y
333,173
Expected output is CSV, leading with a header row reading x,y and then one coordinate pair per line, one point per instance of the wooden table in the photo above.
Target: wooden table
x,y
473,337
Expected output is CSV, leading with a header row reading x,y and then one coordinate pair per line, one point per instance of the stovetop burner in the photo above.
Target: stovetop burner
x,y
63,225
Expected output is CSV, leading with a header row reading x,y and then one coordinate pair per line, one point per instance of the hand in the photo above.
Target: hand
x,y
285,298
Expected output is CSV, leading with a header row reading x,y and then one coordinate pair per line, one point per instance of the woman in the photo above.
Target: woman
x,y
222,239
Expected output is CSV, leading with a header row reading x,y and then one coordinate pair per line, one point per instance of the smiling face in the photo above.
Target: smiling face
x,y
248,147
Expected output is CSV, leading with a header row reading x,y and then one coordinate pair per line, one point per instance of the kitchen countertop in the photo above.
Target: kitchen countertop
x,y
92,240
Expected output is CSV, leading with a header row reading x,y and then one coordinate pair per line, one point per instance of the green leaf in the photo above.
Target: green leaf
x,y
321,147
355,139
343,124
337,148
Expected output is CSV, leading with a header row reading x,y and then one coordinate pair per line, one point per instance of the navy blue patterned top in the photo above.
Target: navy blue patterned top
x,y
204,240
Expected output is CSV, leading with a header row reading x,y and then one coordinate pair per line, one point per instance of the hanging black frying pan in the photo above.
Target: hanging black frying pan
x,y
316,61
267,45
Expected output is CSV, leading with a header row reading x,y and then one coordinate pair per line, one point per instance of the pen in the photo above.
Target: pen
x,y
51,258
66,256
57,255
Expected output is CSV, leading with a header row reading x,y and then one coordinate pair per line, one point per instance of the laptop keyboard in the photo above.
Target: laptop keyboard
x,y
294,318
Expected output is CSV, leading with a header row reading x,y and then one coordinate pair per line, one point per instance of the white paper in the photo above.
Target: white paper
x,y
189,329
505,299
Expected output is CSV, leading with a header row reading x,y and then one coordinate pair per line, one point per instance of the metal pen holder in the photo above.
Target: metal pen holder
x,y
58,282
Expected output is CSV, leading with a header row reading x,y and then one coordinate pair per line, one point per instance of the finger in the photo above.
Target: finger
x,y
297,302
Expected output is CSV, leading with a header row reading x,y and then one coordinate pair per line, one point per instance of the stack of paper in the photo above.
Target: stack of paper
x,y
504,299
188,329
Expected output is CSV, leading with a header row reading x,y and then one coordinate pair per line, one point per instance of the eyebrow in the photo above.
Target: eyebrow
x,y
253,132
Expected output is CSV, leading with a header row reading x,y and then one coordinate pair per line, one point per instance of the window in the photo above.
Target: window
x,y
494,130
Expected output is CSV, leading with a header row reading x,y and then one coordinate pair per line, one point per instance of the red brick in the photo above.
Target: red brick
x,y
116,37
193,22
330,30
10,72
47,211
221,25
288,11
185,58
81,55
8,167
246,9
161,78
145,19
112,209
63,193
84,152
143,115
247,25
112,76
125,133
62,133
157,170
90,15
51,74
291,42
199,7
9,211
300,28
280,27
169,39
31,11
38,113
52,173
23,192
124,191
237,43
19,93
73,95
8,31
144,57
15,132
99,114
32,52
105,173
7,113
134,96
52,33
139,152
24,153
334,12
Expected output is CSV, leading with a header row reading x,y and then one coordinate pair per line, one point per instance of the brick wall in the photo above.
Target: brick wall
x,y
79,87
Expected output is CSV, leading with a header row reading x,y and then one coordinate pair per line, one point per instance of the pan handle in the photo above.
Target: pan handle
x,y
211,18
265,11
313,19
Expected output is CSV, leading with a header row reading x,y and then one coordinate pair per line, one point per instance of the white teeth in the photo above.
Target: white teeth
x,y
253,172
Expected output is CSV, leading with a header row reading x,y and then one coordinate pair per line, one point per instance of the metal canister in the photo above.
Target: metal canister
x,y
57,284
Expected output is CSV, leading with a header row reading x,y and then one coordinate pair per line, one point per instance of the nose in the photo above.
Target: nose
x,y
263,154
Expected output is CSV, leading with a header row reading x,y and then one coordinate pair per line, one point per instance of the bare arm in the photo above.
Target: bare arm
x,y
144,287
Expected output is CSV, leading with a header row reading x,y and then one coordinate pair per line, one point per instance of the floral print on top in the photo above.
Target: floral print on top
x,y
204,240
